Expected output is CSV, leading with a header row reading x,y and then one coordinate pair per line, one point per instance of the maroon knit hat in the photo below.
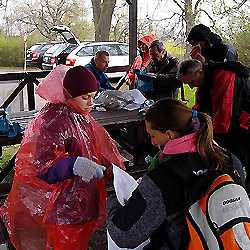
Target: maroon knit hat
x,y
80,81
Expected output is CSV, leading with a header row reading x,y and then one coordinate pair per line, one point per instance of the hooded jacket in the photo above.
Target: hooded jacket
x,y
143,59
216,50
62,214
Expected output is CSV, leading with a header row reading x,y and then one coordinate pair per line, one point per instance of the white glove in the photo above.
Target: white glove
x,y
99,172
127,80
87,169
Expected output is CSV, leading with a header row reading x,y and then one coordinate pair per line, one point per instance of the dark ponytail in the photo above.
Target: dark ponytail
x,y
212,155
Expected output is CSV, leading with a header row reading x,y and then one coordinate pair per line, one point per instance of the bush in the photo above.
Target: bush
x,y
11,52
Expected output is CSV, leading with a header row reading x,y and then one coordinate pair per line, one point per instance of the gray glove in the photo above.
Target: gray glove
x,y
87,169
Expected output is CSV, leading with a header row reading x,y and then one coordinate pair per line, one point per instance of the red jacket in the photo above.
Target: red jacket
x,y
225,100
143,60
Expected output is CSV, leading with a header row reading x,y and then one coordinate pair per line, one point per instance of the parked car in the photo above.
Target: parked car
x,y
34,56
57,55
118,55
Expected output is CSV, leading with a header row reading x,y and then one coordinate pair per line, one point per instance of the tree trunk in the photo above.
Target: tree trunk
x,y
102,12
189,18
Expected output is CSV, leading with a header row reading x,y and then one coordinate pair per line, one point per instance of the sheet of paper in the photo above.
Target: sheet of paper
x,y
139,97
124,184
132,106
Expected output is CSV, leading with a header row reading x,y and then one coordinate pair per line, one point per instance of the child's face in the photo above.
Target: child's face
x,y
85,102
158,138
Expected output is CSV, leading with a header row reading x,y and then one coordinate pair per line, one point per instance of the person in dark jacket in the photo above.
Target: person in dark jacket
x,y
98,66
164,67
156,209
223,93
209,46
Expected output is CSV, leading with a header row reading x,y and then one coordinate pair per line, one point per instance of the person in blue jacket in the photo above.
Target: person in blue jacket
x,y
98,66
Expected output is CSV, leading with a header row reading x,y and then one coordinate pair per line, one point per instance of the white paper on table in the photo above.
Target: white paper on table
x,y
132,106
124,184
136,93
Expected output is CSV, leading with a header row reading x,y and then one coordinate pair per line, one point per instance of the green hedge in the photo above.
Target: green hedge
x,y
11,52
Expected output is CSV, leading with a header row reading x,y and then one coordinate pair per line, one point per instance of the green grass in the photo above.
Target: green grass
x,y
8,152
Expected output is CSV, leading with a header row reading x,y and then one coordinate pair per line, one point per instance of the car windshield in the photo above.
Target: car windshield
x,y
34,47
86,51
46,47
69,49
57,48
124,49
112,49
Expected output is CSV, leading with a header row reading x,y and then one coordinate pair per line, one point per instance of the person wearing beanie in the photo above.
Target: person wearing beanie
x,y
207,45
58,195
98,66
142,60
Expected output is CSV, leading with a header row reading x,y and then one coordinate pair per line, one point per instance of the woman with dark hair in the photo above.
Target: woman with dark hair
x,y
156,209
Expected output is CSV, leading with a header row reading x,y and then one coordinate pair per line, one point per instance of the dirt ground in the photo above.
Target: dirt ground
x,y
99,239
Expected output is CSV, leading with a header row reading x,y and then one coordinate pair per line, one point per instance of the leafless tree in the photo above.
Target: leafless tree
x,y
178,21
41,15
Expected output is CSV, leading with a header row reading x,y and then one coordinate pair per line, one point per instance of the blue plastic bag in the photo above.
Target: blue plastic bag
x,y
4,122
7,127
144,80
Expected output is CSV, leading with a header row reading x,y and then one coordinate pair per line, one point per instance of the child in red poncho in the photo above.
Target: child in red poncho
x,y
58,195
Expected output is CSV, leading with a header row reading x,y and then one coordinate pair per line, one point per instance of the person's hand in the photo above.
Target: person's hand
x,y
195,50
87,169
152,74
99,172
127,80
200,57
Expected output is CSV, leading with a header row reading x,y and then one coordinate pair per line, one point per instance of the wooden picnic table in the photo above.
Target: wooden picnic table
x,y
127,128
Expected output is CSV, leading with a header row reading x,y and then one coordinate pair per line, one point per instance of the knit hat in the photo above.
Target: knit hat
x,y
80,81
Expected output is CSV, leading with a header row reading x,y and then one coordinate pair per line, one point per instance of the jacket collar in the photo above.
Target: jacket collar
x,y
181,145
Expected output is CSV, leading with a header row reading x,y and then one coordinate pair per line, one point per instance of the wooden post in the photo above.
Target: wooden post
x,y
31,95
132,31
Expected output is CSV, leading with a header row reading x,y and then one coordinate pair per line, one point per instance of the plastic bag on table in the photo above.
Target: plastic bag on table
x,y
144,80
113,99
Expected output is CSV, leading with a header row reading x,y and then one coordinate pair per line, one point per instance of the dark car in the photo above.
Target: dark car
x,y
34,57
57,55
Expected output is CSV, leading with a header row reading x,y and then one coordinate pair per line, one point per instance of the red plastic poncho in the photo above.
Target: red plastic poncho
x,y
62,215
